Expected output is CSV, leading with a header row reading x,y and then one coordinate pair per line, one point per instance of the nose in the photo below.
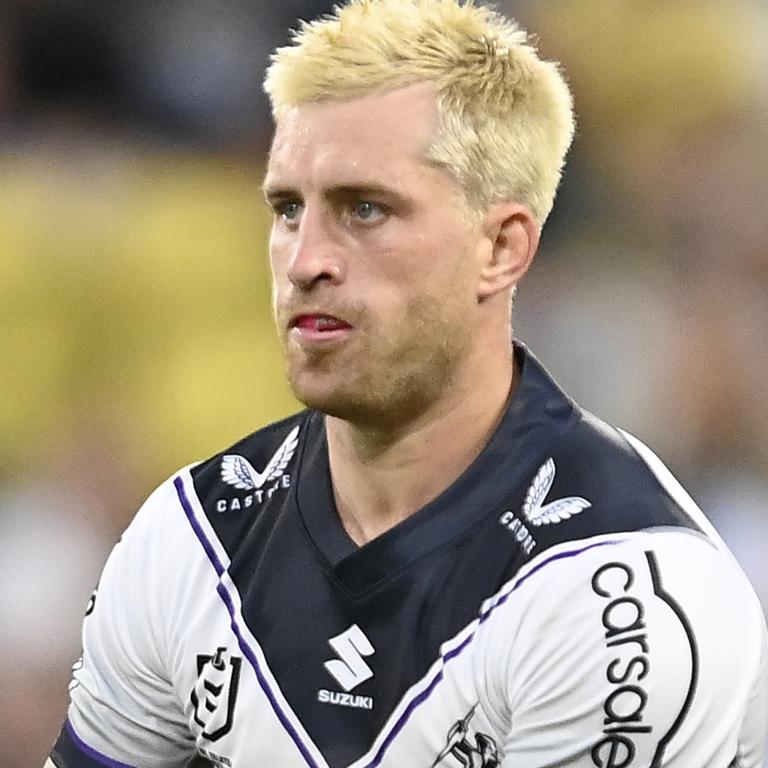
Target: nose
x,y
315,256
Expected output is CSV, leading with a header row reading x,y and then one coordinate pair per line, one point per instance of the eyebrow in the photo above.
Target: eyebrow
x,y
336,192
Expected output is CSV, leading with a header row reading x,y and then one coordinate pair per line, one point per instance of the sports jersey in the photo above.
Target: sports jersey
x,y
563,603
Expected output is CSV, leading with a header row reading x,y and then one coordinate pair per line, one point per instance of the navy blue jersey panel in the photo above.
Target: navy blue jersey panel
x,y
405,619
596,462
233,508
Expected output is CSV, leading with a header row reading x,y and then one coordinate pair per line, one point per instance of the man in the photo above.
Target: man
x,y
444,561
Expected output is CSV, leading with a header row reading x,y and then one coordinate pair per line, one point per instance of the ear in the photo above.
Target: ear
x,y
510,242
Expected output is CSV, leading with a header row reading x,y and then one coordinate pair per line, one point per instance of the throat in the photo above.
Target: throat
x,y
373,494
363,528
379,480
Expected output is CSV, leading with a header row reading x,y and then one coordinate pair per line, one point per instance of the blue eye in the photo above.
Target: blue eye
x,y
288,211
366,211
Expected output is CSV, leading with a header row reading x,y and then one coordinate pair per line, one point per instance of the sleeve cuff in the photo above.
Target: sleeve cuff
x,y
70,751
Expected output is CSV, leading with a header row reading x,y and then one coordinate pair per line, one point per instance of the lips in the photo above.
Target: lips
x,y
318,323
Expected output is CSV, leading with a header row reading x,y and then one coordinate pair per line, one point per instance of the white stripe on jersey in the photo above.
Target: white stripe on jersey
x,y
249,645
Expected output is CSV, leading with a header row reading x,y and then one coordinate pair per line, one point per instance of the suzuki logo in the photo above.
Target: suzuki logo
x,y
350,668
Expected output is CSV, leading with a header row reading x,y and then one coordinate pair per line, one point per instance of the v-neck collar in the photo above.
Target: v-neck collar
x,y
536,413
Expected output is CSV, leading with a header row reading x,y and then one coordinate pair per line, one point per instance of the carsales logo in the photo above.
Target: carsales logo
x,y
626,635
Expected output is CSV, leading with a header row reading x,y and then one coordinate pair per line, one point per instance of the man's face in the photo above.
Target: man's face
x,y
373,255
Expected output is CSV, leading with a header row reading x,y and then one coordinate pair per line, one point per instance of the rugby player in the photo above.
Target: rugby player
x,y
444,560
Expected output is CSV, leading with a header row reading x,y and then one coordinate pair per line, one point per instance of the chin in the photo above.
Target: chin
x,y
337,399
314,390
364,406
341,406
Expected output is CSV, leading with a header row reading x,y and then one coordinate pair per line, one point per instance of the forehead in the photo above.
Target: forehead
x,y
383,135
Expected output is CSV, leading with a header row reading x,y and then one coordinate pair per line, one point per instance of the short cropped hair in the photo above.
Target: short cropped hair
x,y
506,115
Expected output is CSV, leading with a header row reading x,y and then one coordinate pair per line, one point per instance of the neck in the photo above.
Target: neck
x,y
382,476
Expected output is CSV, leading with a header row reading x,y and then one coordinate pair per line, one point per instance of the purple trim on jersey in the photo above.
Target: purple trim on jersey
x,y
560,556
90,751
425,694
241,641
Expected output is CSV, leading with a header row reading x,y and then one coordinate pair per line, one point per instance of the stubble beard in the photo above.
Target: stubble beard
x,y
383,381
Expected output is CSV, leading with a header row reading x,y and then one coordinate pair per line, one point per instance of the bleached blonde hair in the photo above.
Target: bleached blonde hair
x,y
506,115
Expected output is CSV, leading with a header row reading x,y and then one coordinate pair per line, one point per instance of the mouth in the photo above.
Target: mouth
x,y
312,329
317,322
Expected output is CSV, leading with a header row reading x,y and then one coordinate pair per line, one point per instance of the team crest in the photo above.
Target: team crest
x,y
483,753
238,471
215,693
536,512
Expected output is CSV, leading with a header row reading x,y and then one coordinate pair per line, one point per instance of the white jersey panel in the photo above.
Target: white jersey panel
x,y
124,705
606,654
616,657
169,668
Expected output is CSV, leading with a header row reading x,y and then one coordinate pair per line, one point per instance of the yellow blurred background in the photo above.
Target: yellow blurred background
x,y
135,322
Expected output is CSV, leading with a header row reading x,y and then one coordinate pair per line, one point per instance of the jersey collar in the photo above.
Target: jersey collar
x,y
535,415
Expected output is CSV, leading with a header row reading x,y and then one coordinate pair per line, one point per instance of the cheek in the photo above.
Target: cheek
x,y
274,248
436,275
280,283
278,262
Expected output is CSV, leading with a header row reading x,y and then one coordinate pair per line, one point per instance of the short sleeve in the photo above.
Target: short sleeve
x,y
123,709
642,652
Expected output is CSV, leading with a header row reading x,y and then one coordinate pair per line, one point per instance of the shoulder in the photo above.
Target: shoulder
x,y
678,568
257,465
250,467
628,639
573,476
602,480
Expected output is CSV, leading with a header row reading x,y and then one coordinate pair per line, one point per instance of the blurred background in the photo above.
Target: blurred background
x,y
134,292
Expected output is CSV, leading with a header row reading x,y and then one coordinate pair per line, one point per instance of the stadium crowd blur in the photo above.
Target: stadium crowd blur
x,y
134,292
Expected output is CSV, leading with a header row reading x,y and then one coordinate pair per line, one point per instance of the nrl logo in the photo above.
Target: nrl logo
x,y
237,471
215,692
536,512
